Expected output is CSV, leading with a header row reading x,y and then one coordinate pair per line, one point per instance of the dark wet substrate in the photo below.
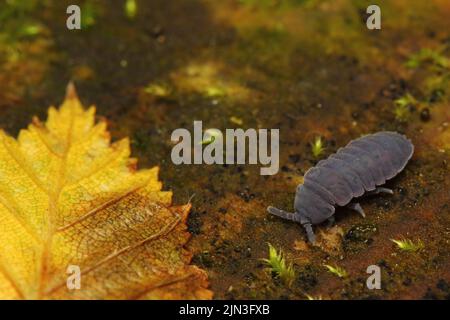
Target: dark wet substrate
x,y
309,68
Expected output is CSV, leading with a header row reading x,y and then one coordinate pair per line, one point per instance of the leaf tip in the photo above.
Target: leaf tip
x,y
71,92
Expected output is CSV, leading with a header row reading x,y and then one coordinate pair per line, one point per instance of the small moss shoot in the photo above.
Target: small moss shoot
x,y
213,134
409,245
215,91
278,266
89,15
237,121
337,271
31,29
130,9
309,297
157,90
317,147
402,109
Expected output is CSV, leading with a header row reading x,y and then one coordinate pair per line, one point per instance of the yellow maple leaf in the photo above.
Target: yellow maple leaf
x,y
68,197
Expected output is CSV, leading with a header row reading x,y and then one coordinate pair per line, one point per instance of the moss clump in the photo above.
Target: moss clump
x,y
409,245
317,147
279,267
430,56
336,270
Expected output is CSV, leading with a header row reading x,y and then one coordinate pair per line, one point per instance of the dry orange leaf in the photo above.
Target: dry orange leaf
x,y
68,197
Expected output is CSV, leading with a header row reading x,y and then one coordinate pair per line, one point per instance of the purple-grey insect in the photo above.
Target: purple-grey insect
x,y
358,168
